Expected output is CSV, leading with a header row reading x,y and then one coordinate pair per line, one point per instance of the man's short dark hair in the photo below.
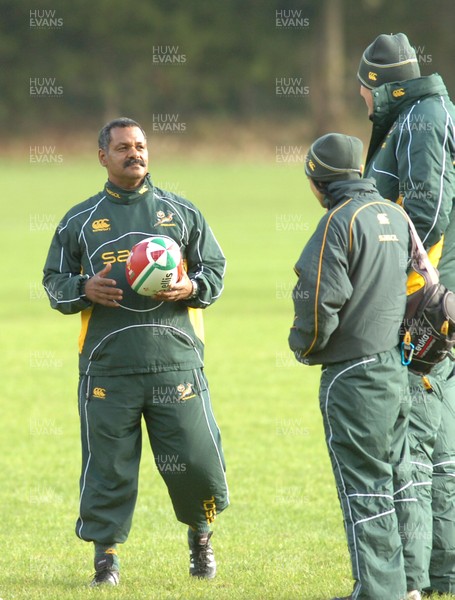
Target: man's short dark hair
x,y
104,138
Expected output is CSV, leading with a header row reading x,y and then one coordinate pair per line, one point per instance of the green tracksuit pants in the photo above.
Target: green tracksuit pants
x,y
365,408
432,446
185,441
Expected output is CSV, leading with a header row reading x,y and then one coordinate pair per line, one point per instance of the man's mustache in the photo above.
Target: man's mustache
x,y
134,161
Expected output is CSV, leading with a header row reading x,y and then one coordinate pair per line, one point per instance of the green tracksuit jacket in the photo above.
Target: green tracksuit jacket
x,y
350,297
143,336
411,156
349,302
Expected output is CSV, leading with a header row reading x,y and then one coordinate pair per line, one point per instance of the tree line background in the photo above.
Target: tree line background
x,y
202,59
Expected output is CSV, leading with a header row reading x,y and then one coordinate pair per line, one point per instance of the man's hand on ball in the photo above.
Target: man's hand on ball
x,y
180,290
101,290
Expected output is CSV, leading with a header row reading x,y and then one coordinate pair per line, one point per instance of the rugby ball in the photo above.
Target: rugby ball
x,y
153,265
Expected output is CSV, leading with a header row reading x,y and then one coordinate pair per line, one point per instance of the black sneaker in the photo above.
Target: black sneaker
x,y
105,573
202,558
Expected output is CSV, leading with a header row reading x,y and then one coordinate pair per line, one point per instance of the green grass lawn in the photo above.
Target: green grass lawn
x,y
282,536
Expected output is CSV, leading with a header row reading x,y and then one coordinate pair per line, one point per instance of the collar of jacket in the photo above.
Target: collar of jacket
x,y
121,196
390,100
338,191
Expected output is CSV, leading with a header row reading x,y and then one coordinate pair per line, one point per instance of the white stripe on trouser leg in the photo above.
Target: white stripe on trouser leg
x,y
383,514
423,465
84,477
211,433
402,489
329,443
358,495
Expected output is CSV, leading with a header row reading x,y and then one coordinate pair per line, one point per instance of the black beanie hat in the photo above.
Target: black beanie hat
x,y
333,157
388,58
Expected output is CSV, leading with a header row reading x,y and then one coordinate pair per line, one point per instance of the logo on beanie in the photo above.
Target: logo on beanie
x,y
311,165
398,93
372,75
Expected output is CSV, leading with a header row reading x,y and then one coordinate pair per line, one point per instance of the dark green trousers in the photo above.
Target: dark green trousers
x,y
365,407
185,441
432,445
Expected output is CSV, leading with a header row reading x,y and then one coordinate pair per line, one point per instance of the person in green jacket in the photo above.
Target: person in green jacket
x,y
411,157
349,302
139,356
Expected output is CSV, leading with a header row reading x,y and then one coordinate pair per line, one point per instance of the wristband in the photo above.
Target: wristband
x,y
82,282
195,291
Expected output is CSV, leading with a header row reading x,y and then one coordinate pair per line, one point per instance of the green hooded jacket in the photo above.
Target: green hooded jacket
x,y
143,335
350,297
410,156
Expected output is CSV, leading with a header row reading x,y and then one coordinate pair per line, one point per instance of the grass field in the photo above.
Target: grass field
x,y
282,536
